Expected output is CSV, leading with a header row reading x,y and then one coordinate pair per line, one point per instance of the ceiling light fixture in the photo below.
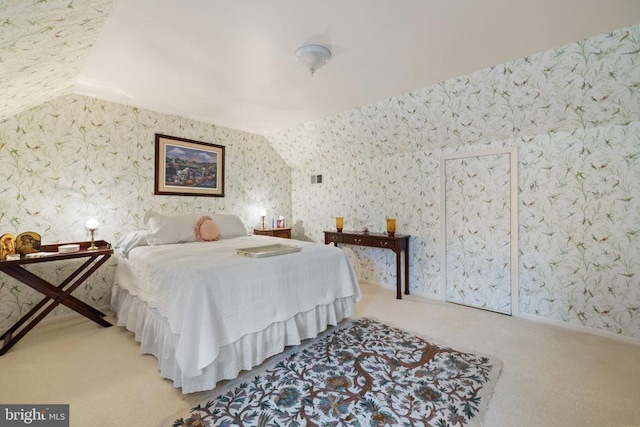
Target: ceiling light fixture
x,y
313,57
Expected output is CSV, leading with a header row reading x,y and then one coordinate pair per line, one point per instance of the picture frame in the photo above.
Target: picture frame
x,y
185,167
28,242
7,245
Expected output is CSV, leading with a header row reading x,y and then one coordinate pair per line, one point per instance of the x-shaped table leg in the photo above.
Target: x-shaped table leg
x,y
54,296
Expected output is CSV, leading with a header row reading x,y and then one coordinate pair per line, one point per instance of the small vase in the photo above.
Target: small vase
x,y
391,226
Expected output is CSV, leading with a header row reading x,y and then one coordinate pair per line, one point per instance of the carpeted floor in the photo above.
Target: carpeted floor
x,y
361,373
551,376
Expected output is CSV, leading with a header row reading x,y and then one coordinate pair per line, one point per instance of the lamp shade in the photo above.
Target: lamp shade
x,y
313,57
92,224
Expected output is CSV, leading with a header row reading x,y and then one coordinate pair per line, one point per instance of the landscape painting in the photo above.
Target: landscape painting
x,y
188,168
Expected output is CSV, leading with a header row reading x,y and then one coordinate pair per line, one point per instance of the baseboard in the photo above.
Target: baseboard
x,y
533,318
579,328
70,314
369,282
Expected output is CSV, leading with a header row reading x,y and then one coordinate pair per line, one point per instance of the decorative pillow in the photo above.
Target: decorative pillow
x,y
163,229
230,226
130,240
207,230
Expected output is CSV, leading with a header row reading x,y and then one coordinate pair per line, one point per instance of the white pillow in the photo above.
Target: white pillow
x,y
129,241
164,229
230,226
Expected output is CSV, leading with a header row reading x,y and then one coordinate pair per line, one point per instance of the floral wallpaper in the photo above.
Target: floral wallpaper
x,y
77,157
590,83
580,227
573,114
478,232
43,46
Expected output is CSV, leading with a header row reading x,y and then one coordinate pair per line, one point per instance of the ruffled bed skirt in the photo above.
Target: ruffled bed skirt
x,y
152,330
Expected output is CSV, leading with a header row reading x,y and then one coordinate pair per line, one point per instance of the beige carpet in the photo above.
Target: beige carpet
x,y
551,376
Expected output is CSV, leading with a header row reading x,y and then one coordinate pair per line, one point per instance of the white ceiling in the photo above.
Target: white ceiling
x,y
231,63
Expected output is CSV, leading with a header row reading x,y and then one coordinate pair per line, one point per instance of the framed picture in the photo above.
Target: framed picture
x,y
188,168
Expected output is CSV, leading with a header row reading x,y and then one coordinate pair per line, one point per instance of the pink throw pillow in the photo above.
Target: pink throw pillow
x,y
207,230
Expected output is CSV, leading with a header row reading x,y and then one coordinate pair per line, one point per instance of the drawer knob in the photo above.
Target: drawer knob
x,y
358,241
385,243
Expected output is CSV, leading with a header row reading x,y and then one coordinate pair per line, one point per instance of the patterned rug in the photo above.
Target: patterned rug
x,y
362,373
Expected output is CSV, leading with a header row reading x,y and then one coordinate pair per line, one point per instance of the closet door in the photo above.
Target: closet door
x,y
480,229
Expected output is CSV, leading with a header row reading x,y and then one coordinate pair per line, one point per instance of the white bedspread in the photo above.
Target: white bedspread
x,y
212,297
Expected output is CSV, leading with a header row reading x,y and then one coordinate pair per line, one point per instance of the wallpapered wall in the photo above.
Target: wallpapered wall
x,y
43,47
573,114
76,157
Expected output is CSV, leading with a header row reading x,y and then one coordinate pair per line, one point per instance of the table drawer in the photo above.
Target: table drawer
x,y
333,238
381,242
282,233
357,240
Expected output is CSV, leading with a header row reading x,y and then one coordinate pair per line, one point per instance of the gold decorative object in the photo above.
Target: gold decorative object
x,y
391,226
339,223
28,243
7,245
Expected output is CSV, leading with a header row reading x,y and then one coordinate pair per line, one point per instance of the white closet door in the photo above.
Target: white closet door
x,y
478,230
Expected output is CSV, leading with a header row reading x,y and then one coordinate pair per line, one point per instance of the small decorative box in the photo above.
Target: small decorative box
x,y
65,249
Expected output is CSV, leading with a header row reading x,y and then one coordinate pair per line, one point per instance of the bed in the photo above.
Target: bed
x,y
206,312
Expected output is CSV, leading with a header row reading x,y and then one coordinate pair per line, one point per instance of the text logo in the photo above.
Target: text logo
x,y
34,415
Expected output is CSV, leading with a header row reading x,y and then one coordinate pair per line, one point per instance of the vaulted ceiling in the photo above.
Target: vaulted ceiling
x,y
231,62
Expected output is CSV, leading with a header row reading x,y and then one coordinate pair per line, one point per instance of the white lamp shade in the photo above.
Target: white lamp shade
x,y
263,212
313,57
92,224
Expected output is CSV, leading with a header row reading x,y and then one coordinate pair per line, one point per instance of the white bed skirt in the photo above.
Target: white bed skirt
x,y
152,330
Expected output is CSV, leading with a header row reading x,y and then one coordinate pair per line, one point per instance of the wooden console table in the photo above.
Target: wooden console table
x,y
55,295
397,243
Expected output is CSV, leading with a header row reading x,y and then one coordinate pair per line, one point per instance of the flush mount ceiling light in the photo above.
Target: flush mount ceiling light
x,y
313,57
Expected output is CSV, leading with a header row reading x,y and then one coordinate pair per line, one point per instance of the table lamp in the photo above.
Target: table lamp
x,y
92,225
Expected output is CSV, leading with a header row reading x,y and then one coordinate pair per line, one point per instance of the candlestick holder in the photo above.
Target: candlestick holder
x,y
391,227
263,214
93,246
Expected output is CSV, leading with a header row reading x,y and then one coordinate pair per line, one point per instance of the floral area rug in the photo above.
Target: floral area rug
x,y
364,373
